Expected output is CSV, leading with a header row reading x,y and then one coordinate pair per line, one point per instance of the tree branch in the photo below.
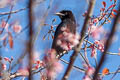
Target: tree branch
x,y
30,34
78,48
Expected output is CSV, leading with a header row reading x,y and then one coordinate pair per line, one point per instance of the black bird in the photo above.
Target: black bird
x,y
68,21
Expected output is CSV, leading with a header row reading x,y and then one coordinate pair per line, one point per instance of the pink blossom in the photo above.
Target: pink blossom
x,y
3,3
51,73
91,28
95,31
4,66
118,51
4,37
38,64
17,28
96,42
87,78
53,67
67,40
23,72
102,9
85,14
65,46
58,67
93,52
4,24
95,20
100,46
90,71
59,42
6,59
97,45
36,55
36,67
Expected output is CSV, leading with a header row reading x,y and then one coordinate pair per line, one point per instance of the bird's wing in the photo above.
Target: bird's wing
x,y
71,26
57,32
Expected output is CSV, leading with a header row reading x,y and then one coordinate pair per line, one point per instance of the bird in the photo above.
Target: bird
x,y
67,21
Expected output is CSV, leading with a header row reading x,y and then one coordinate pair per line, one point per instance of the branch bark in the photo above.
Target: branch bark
x,y
30,35
78,48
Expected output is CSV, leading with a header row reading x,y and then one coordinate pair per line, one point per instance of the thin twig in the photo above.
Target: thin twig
x,y
19,60
75,67
12,12
84,59
8,18
115,73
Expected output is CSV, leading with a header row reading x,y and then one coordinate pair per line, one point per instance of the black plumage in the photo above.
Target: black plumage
x,y
67,20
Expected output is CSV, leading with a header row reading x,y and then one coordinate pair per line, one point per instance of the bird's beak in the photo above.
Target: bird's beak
x,y
59,14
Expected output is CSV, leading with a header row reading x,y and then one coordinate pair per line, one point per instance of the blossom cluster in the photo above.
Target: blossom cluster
x,y
53,66
97,45
67,40
89,72
6,32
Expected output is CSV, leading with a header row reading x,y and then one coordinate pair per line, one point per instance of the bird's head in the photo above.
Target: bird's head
x,y
65,14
